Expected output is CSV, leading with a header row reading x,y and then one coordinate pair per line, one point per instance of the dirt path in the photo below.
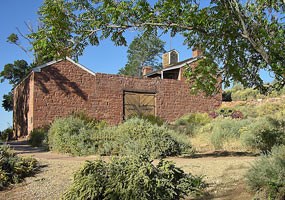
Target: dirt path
x,y
224,174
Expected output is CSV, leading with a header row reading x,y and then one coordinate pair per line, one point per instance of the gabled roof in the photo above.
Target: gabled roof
x,y
38,69
176,65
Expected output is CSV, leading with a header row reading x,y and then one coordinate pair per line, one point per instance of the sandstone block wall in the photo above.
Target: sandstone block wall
x,y
63,88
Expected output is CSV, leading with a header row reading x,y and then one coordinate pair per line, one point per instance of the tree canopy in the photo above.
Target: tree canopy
x,y
239,38
13,73
143,51
53,39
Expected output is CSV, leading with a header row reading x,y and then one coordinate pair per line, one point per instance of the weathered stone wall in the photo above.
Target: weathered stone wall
x,y
173,98
63,88
23,107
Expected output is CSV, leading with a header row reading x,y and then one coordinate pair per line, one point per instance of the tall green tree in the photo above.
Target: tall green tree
x,y
143,51
13,73
54,37
239,38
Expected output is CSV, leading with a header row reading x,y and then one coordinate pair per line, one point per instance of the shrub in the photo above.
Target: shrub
x,y
72,135
222,130
138,136
7,134
14,169
150,118
188,124
268,174
132,178
263,134
246,94
89,120
39,137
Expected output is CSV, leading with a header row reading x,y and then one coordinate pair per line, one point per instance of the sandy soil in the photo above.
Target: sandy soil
x,y
224,173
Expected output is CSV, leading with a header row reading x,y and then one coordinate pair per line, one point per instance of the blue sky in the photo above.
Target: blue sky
x,y
105,58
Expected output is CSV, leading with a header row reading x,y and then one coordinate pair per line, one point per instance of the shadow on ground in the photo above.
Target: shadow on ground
x,y
216,154
22,147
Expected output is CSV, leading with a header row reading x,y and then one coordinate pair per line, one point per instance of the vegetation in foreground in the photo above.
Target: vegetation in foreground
x,y
130,177
14,169
76,136
267,176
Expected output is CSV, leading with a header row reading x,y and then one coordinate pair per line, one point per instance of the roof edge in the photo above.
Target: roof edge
x,y
38,69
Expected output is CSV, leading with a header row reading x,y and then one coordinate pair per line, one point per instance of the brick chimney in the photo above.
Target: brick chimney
x,y
146,70
196,52
170,58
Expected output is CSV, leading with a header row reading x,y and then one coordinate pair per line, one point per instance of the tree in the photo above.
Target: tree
x,y
143,51
14,73
53,39
238,38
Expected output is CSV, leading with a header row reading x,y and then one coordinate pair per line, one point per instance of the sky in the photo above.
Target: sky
x,y
105,58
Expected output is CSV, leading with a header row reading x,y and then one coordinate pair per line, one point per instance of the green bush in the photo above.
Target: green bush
x,y
246,94
138,136
150,118
72,135
267,175
188,124
263,134
39,137
14,169
6,134
89,120
222,130
132,178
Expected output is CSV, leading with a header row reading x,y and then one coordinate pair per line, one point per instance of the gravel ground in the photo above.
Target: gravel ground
x,y
224,174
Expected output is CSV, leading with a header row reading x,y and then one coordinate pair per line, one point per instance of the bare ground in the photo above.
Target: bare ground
x,y
224,173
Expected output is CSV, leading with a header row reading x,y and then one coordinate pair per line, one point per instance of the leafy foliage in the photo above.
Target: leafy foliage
x,y
14,73
267,175
240,37
14,169
132,178
143,51
53,39
7,102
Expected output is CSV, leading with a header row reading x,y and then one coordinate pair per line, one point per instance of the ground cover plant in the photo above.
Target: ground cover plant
x,y
13,169
132,178
267,175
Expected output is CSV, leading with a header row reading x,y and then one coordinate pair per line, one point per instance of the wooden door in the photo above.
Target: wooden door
x,y
138,104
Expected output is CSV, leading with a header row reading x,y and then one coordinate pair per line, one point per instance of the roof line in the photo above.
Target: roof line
x,y
182,64
38,69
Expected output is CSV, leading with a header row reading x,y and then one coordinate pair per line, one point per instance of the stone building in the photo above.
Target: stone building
x,y
58,88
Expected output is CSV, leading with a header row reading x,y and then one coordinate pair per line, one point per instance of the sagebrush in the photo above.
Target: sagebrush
x,y
13,169
267,175
139,136
132,178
